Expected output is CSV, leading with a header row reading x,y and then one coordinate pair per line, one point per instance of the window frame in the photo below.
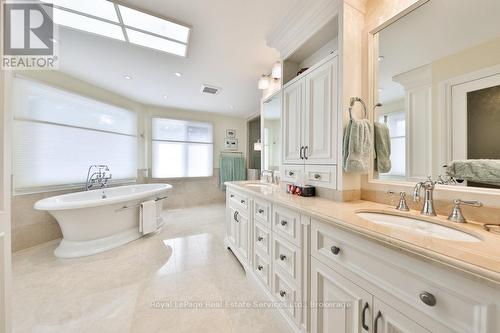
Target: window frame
x,y
151,140
71,186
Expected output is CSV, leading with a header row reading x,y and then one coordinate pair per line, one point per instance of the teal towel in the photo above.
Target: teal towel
x,y
382,148
479,171
357,146
232,168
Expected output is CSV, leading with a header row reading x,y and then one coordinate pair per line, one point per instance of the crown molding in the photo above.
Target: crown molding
x,y
300,24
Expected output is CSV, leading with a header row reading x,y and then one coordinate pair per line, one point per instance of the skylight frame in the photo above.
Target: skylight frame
x,y
124,26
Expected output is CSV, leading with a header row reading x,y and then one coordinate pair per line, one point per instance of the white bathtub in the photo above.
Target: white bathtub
x,y
91,224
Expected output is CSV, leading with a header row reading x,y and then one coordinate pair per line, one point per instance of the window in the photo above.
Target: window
x,y
181,148
396,121
57,135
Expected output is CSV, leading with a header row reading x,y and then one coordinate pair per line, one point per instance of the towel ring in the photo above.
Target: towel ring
x,y
353,101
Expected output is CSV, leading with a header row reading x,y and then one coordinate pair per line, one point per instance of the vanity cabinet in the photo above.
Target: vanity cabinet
x,y
348,282
310,116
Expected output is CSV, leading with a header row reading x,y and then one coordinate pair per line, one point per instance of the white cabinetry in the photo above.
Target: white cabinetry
x,y
349,283
310,116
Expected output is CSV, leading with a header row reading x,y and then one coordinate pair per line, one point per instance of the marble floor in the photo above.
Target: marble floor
x,y
135,288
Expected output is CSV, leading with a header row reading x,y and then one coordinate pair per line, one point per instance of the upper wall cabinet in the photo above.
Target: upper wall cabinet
x,y
310,116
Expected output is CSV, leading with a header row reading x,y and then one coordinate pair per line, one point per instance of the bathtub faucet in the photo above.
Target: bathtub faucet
x,y
97,175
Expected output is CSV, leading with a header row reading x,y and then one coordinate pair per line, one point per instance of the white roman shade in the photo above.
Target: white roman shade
x,y
58,135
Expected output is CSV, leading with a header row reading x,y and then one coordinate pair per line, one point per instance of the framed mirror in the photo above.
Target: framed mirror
x,y
271,133
436,91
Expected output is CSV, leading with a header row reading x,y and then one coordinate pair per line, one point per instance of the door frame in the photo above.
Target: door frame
x,y
445,102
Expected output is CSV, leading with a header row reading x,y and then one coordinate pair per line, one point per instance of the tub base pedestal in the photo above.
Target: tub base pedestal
x,y
74,249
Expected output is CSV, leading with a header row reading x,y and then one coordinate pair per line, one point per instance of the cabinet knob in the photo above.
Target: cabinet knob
x,y
232,195
284,223
317,176
261,211
260,239
282,293
282,257
242,201
260,267
428,298
291,173
335,250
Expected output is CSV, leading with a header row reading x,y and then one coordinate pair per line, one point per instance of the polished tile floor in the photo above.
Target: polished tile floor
x,y
133,288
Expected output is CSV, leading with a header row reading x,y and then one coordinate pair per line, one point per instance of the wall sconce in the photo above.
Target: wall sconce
x,y
264,82
257,146
276,72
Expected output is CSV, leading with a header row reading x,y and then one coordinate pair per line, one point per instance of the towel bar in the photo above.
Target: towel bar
x,y
135,206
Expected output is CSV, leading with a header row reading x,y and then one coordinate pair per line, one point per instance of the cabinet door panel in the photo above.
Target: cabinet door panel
x,y
343,303
389,320
321,114
232,229
293,107
243,234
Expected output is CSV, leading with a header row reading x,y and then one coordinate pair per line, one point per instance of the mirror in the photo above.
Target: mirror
x,y
437,86
271,133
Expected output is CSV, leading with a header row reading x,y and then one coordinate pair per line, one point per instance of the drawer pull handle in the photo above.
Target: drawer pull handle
x,y
260,239
335,250
282,293
317,176
261,211
375,323
363,317
428,298
260,267
282,257
284,223
232,195
236,214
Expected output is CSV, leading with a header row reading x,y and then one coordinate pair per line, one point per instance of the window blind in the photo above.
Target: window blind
x,y
57,135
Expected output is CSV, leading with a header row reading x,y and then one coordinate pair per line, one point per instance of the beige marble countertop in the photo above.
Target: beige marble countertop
x,y
479,260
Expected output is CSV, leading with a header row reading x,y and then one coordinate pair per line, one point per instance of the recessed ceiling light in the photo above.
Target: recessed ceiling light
x,y
165,97
127,77
380,58
178,74
231,107
380,90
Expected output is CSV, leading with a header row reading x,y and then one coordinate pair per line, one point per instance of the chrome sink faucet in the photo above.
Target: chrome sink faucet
x,y
428,186
97,175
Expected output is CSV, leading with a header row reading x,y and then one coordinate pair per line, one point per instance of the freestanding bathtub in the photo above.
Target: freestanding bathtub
x,y
99,220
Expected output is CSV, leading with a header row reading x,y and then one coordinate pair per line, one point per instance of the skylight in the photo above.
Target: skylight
x,y
112,20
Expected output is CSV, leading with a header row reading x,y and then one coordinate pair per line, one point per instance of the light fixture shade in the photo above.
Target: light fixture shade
x,y
257,146
276,73
264,82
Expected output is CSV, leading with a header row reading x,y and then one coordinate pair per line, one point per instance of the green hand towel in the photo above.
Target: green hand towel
x,y
479,171
382,148
232,168
357,146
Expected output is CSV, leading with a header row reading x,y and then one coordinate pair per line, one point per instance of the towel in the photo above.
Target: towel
x,y
382,148
232,168
148,221
479,171
357,146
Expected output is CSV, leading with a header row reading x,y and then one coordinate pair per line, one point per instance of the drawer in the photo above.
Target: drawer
x,y
262,240
262,212
286,293
262,269
321,176
291,172
286,223
286,257
405,281
238,201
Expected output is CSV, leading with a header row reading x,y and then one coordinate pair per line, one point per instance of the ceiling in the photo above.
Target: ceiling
x,y
437,29
227,50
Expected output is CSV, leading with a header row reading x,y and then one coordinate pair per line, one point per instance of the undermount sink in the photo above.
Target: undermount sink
x,y
258,185
418,226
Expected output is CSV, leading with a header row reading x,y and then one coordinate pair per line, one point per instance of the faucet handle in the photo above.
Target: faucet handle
x,y
402,205
456,213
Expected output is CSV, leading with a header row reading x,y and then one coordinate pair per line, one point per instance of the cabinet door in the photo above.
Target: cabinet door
x,y
338,305
243,235
321,114
389,320
293,113
232,229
